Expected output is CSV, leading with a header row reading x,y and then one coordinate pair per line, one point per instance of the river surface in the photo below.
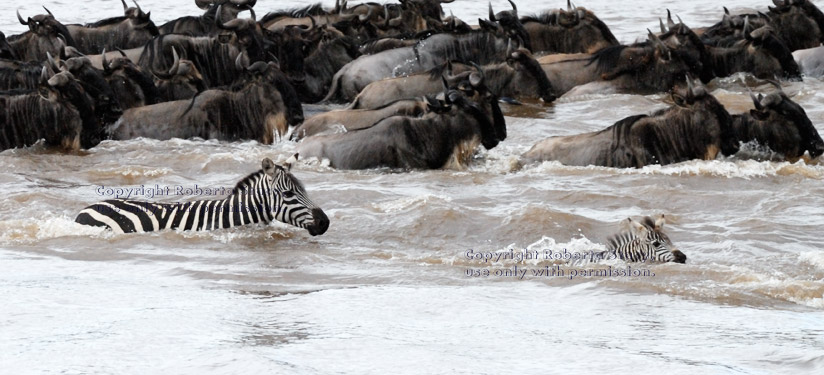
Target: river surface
x,y
385,290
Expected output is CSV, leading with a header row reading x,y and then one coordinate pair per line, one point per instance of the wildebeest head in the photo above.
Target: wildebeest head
x,y
106,105
45,34
181,81
131,86
291,47
645,240
528,73
475,97
766,51
783,126
689,47
64,87
696,99
574,30
139,19
507,23
799,23
269,75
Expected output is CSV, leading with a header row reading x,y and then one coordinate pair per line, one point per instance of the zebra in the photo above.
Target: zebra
x,y
267,194
643,241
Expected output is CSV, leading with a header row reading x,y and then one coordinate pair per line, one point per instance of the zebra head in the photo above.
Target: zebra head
x,y
647,240
293,205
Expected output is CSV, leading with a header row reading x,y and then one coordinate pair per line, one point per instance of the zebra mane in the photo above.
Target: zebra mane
x,y
243,184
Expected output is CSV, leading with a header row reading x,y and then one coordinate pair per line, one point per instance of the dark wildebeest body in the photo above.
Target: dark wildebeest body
x,y
332,54
44,36
131,30
573,31
65,118
6,51
642,68
780,125
130,84
444,137
520,76
253,112
182,81
697,127
346,120
481,47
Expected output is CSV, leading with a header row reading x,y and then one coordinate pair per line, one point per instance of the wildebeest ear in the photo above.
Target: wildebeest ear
x,y
660,221
268,166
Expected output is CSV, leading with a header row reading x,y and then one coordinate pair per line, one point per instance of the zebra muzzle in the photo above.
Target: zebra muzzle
x,y
319,224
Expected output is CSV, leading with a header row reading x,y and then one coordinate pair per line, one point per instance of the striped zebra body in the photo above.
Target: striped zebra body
x,y
271,193
643,241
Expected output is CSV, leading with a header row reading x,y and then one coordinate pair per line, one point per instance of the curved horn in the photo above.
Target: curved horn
x,y
121,52
514,8
19,18
51,60
491,13
679,19
661,24
778,3
726,11
175,63
125,7
252,13
105,63
670,23
139,11
44,74
48,11
218,21
569,6
362,17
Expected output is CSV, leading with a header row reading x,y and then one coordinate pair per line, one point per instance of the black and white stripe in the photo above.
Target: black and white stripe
x,y
644,241
271,193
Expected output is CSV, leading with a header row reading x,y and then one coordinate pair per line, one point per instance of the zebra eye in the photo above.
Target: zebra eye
x,y
288,194
656,244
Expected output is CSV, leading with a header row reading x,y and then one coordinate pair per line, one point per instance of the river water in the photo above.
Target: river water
x,y
385,289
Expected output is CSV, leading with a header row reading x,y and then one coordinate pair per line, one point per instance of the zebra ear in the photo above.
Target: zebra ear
x,y
635,227
660,221
268,166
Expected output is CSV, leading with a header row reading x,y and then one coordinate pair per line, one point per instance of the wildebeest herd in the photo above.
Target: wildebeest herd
x,y
422,89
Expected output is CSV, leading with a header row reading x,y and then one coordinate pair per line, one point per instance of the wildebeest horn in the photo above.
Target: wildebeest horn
x,y
491,13
125,7
661,23
476,79
755,100
670,23
775,84
139,11
508,47
203,4
292,159
44,74
514,8
48,11
218,21
364,17
254,17
121,51
726,11
175,63
778,3
569,6
51,60
19,18
445,86
105,63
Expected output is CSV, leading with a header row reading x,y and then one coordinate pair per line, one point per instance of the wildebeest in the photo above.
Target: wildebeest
x,y
205,25
779,124
576,30
45,34
644,68
130,84
59,111
759,53
520,76
696,127
480,46
181,81
254,111
354,119
798,23
333,52
131,30
446,136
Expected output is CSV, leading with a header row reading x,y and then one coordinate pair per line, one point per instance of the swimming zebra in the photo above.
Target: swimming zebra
x,y
643,241
268,194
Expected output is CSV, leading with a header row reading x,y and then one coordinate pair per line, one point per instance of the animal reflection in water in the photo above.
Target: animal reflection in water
x,y
272,193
